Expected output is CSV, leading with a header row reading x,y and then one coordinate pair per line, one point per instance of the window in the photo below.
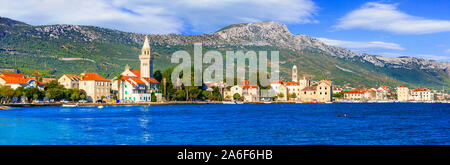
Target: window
x,y
125,92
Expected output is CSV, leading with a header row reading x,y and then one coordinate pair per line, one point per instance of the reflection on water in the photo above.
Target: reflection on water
x,y
396,123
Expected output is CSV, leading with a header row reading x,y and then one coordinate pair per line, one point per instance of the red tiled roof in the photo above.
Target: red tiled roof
x,y
356,91
15,80
12,75
419,90
402,85
92,76
136,72
137,80
310,88
151,80
291,83
276,82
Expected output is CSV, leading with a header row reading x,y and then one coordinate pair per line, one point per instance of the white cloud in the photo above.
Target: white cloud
x,y
362,45
447,51
158,16
378,16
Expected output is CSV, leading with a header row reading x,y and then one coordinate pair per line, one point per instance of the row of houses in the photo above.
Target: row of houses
x,y
418,94
133,85
302,90
15,80
380,93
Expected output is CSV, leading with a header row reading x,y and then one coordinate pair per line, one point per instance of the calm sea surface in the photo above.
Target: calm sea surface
x,y
385,123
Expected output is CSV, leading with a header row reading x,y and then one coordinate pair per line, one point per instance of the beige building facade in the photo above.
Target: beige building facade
x,y
95,86
70,81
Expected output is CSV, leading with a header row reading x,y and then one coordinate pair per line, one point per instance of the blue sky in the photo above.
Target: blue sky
x,y
392,28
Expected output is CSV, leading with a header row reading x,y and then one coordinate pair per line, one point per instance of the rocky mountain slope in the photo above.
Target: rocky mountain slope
x,y
89,48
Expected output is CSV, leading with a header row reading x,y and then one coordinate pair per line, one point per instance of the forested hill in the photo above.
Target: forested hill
x,y
57,49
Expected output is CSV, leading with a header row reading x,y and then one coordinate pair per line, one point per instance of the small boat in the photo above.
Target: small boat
x,y
267,102
328,102
100,107
240,102
298,102
70,105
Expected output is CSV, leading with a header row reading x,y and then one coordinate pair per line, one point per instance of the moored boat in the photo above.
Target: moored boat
x,y
70,105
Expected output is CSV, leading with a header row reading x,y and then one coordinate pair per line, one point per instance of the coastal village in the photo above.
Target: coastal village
x,y
140,86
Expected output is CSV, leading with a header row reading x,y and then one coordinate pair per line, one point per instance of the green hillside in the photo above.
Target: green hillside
x,y
106,52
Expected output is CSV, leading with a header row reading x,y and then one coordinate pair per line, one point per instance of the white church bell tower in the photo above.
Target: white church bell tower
x,y
145,58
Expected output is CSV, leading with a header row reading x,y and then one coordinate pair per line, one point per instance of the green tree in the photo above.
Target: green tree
x,y
180,95
280,95
53,84
83,96
338,95
19,92
237,96
55,93
216,94
119,80
293,95
158,75
153,97
207,95
7,92
32,94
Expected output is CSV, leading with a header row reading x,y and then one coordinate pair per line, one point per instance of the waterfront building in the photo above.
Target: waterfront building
x,y
293,90
95,86
248,93
322,92
422,94
46,80
70,81
336,90
280,90
138,85
355,94
403,93
382,93
15,80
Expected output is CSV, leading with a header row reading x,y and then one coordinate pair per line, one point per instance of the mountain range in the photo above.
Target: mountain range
x,y
57,49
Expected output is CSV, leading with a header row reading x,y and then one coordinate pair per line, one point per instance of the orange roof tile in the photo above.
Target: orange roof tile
x,y
136,72
151,80
12,75
15,80
419,90
291,83
137,80
92,76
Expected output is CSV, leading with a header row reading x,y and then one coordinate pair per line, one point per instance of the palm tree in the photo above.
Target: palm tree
x,y
118,78
36,76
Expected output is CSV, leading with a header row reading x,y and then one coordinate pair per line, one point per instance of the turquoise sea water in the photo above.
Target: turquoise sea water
x,y
265,124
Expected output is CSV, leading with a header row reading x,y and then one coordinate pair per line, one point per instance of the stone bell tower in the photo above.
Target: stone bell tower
x,y
294,74
145,59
